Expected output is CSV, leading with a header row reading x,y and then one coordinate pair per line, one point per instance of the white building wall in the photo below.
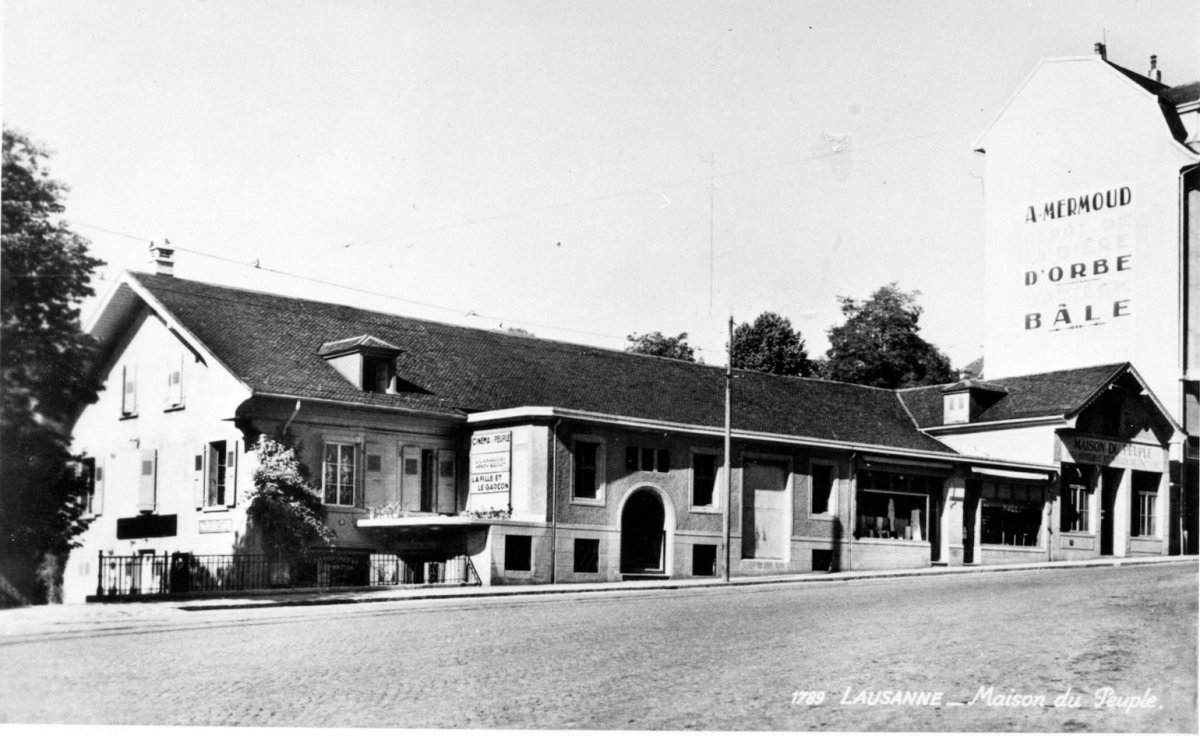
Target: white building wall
x,y
174,433
1083,288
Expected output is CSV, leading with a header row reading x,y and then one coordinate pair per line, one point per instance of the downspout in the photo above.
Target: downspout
x,y
288,423
554,501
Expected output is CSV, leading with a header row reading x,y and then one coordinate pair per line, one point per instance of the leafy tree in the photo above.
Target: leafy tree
x,y
878,344
285,512
520,331
770,345
45,364
656,343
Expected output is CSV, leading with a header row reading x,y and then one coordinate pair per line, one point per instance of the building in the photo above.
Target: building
x,y
1092,235
544,461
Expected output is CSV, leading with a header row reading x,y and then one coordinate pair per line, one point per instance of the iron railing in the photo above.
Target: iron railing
x,y
122,576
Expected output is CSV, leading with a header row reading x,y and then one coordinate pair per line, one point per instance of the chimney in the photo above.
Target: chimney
x,y
163,258
1155,73
1102,51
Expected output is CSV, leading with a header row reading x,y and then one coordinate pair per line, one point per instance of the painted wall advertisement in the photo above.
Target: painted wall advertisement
x,y
1076,259
491,471
1106,452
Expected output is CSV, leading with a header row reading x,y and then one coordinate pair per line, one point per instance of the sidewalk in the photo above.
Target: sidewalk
x,y
78,619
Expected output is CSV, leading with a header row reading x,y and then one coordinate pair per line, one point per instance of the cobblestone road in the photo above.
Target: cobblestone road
x,y
726,659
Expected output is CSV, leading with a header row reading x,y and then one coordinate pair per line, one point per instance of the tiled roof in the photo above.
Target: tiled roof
x,y
271,342
1182,93
1056,393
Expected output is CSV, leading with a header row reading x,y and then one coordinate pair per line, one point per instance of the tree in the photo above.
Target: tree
x,y
770,345
878,344
655,343
45,371
285,511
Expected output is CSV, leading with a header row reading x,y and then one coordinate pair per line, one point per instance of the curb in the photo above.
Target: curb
x,y
625,587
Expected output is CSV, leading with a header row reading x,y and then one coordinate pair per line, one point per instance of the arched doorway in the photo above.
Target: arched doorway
x,y
643,534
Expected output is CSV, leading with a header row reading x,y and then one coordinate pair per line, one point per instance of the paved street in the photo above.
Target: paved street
x,y
713,658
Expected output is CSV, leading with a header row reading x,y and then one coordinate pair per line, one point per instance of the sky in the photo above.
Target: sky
x,y
582,170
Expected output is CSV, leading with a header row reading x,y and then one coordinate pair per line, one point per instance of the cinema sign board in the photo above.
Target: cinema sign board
x,y
491,471
1108,452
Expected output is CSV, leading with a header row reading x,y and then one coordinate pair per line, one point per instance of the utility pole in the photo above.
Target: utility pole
x,y
728,444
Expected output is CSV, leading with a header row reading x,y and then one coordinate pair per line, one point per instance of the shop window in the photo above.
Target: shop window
x,y
704,479
894,505
704,560
339,476
1011,514
648,459
1076,498
1144,494
821,490
518,553
587,555
587,458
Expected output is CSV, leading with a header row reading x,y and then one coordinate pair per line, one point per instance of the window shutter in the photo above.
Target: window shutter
x,y
129,390
148,480
231,473
175,383
447,502
410,477
98,486
199,491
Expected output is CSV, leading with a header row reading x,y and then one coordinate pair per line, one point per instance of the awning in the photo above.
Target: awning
x,y
905,465
1001,474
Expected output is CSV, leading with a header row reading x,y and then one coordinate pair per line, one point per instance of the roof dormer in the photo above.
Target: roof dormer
x,y
964,401
366,361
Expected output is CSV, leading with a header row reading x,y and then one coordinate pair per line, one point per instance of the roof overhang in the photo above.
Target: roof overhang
x,y
549,413
122,303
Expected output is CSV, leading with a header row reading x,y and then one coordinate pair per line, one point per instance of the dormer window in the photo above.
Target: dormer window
x,y
367,362
964,401
956,408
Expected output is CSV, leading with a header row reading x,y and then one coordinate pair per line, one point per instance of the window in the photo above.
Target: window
x,y
91,477
821,489
587,555
1077,492
374,463
1011,514
587,469
218,465
704,560
648,459
337,486
174,398
895,505
704,479
428,467
1144,494
129,391
518,553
